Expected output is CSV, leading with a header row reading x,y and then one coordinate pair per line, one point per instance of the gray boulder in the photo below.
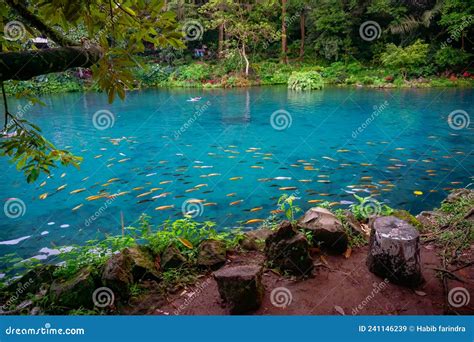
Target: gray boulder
x,y
288,250
326,229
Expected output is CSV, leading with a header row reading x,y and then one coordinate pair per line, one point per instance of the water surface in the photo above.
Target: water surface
x,y
163,150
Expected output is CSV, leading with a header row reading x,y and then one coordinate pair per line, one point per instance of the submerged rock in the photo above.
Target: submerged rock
x,y
212,253
255,239
394,251
240,287
172,258
75,292
288,250
326,229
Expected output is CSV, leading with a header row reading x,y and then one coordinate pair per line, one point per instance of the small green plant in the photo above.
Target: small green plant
x,y
305,80
367,207
285,203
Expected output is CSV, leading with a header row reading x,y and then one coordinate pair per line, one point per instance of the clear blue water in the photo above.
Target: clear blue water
x,y
407,147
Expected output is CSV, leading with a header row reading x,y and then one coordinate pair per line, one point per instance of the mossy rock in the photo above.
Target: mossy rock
x,y
212,253
406,216
75,292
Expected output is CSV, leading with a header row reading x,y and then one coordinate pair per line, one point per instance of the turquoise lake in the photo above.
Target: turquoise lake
x,y
232,158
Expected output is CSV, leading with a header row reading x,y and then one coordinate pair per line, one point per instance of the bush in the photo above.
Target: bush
x,y
305,81
449,57
196,72
405,58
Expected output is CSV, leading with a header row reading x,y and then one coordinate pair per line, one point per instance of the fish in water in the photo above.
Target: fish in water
x,y
164,207
236,202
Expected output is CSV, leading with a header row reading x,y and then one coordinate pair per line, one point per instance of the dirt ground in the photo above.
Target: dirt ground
x,y
338,286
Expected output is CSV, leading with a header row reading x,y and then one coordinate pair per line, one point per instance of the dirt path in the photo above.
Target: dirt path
x,y
343,286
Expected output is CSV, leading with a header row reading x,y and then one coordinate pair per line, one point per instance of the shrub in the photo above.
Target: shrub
x,y
405,58
449,57
305,81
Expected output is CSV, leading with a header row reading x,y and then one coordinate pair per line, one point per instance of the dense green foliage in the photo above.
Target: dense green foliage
x,y
226,43
308,80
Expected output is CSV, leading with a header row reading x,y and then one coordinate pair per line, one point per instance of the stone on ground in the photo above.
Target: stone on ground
x,y
240,287
117,274
75,292
172,258
142,264
255,239
326,229
212,253
394,251
288,250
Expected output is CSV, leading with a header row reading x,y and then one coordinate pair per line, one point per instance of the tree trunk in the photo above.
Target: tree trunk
x,y
27,64
247,64
302,30
284,46
220,46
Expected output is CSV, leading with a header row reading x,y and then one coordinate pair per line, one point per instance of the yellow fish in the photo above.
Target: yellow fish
x,y
256,167
418,192
186,243
209,204
123,160
231,194
138,188
98,156
62,187
113,180
95,197
256,209
288,188
164,207
200,185
77,191
43,196
236,202
315,201
166,182
63,175
144,194
43,184
235,178
77,207
254,221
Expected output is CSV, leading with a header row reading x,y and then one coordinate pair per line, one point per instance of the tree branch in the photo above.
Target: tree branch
x,y
34,21
24,65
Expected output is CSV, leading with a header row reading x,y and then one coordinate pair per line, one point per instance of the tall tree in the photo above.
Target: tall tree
x,y
284,40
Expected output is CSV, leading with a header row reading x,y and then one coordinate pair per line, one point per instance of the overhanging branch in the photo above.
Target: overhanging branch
x,y
24,65
34,21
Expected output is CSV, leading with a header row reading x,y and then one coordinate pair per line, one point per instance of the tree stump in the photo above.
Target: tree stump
x,y
394,251
240,287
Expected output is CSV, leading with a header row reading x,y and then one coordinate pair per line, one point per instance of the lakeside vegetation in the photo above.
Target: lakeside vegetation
x,y
176,254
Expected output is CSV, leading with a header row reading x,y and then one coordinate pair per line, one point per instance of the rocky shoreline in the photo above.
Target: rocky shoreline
x,y
294,251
